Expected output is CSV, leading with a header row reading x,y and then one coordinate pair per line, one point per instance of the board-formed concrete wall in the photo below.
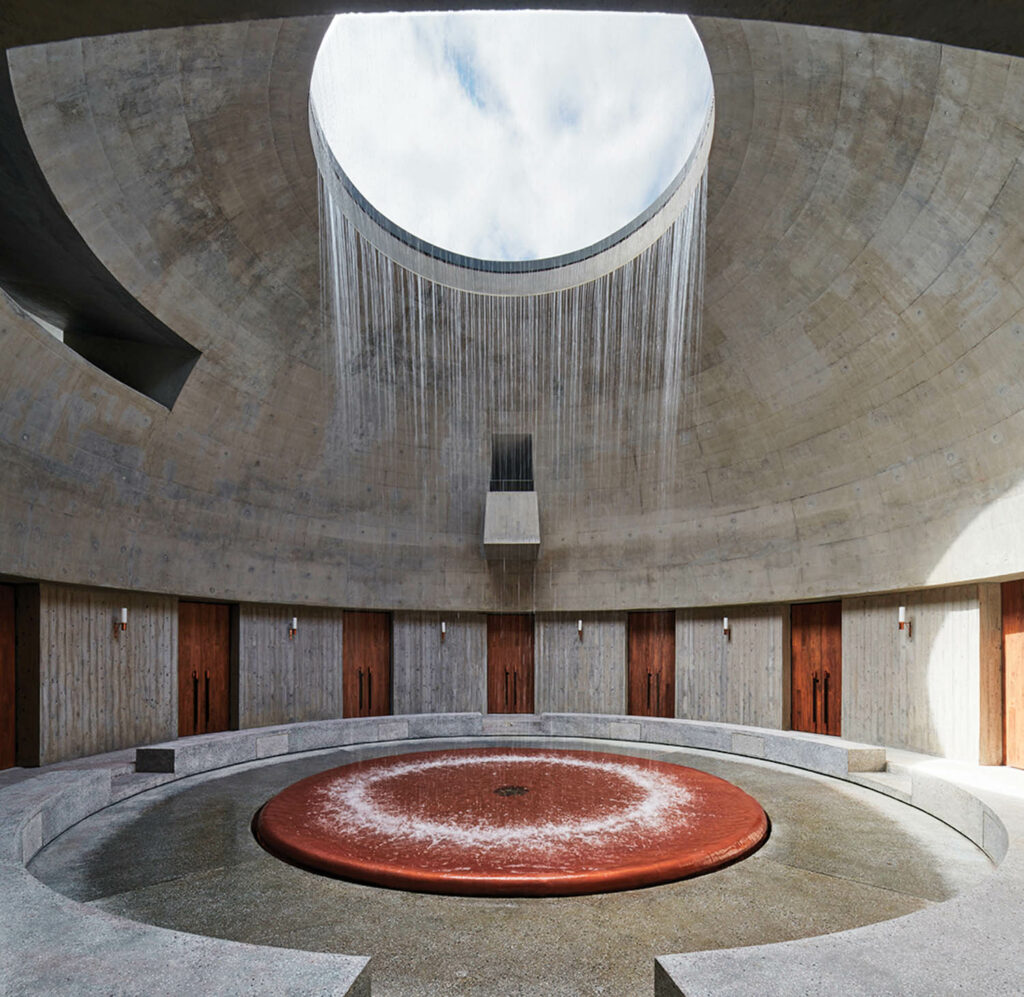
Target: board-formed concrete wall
x,y
737,678
434,675
857,408
102,688
284,679
580,676
935,688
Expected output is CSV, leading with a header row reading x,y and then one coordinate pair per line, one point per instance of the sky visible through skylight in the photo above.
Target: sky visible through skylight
x,y
511,135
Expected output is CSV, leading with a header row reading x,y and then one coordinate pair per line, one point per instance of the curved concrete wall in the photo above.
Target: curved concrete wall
x,y
858,409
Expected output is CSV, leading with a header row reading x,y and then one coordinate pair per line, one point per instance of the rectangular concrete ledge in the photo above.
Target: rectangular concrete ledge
x,y
34,812
52,945
192,755
815,752
968,944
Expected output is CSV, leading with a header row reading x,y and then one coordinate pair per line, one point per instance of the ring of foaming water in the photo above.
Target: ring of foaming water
x,y
511,822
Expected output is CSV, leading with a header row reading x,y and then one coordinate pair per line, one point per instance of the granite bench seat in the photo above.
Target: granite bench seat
x,y
49,943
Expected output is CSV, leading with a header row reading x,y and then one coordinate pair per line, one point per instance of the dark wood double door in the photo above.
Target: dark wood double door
x,y
510,663
204,667
651,664
365,664
816,667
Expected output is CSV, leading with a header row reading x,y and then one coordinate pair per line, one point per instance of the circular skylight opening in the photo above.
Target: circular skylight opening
x,y
516,135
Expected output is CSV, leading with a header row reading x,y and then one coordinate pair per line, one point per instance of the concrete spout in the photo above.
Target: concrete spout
x,y
512,526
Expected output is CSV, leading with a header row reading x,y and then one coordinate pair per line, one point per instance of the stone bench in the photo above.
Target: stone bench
x,y
53,944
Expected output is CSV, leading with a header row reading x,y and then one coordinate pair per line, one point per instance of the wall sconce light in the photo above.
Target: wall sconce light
x,y
726,632
905,624
444,630
579,628
124,617
294,628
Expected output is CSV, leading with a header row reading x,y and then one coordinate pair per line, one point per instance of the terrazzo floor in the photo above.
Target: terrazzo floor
x,y
184,857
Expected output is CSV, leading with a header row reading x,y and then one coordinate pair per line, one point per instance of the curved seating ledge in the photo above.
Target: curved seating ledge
x,y
49,943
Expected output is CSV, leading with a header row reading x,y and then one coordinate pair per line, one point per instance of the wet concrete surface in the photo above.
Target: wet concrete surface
x,y
183,857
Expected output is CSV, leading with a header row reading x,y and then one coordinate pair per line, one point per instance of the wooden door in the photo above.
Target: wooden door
x,y
7,712
651,658
510,663
204,667
816,643
365,664
1013,671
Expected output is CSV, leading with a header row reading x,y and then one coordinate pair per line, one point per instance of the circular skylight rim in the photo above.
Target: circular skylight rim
x,y
513,276
572,148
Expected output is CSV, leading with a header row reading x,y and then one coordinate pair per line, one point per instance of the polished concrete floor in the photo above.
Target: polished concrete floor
x,y
183,857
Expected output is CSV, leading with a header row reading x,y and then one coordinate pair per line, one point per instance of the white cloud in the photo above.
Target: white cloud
x,y
511,135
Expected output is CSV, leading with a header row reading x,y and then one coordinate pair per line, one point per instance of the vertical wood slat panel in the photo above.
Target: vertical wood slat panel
x,y
366,664
735,679
581,676
204,667
651,656
1013,658
101,689
434,676
921,689
510,663
288,680
8,653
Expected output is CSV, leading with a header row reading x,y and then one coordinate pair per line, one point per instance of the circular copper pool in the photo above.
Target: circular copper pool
x,y
511,822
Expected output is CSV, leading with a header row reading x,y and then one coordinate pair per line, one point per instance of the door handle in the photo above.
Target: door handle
x,y
506,692
195,702
648,690
207,694
814,701
825,701
360,690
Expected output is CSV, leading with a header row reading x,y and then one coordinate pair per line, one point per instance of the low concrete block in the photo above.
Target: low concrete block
x,y
862,758
807,753
154,759
319,735
511,724
747,744
272,744
445,725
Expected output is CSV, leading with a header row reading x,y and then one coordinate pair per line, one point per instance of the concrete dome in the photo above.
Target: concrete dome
x,y
857,407
177,495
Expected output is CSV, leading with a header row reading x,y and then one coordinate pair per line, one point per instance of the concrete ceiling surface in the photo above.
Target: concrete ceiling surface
x,y
989,25
859,404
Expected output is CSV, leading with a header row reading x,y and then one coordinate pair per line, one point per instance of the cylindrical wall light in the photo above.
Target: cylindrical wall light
x,y
725,627
124,617
294,628
444,630
904,623
579,628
